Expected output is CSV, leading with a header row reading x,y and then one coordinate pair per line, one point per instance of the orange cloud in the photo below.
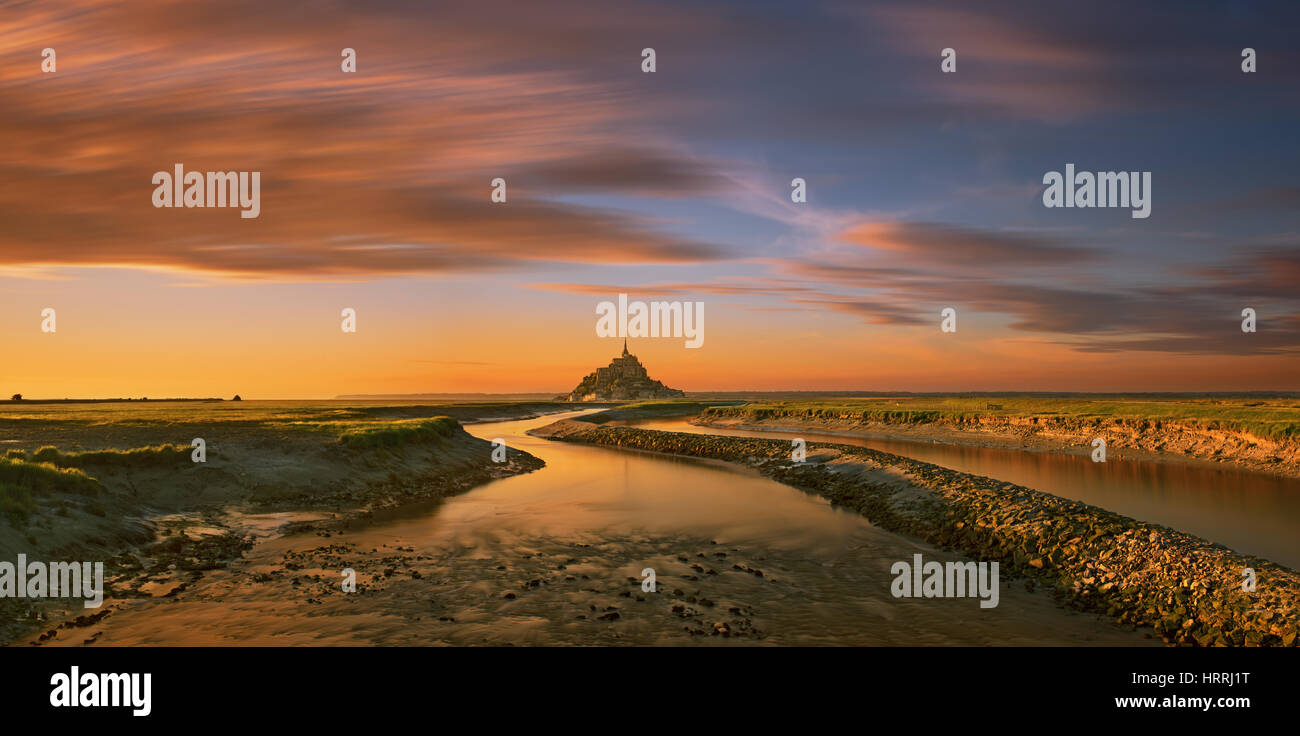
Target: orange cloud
x,y
385,171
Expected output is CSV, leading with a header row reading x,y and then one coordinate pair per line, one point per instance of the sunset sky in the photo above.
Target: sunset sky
x,y
924,192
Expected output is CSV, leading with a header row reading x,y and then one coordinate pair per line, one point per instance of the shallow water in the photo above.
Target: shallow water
x,y
1252,513
540,558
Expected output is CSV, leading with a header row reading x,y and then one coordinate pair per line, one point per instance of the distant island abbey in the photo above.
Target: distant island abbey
x,y
623,378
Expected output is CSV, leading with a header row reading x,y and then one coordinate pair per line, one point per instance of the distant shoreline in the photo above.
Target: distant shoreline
x,y
547,396
710,395
793,394
97,401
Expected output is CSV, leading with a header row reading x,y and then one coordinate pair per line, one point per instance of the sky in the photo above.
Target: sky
x,y
924,191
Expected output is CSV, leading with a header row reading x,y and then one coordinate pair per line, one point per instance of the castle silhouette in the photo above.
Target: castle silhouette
x,y
624,378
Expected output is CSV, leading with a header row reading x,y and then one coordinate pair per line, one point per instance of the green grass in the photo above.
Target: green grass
x,y
1266,418
92,436
230,416
42,478
293,425
21,482
16,503
137,457
399,433
653,409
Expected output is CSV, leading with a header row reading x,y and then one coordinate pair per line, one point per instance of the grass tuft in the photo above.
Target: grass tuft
x,y
16,503
21,482
137,457
397,434
43,478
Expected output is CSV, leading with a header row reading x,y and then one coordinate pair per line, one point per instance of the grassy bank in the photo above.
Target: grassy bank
x,y
167,455
140,453
657,409
1261,434
91,482
399,433
1263,418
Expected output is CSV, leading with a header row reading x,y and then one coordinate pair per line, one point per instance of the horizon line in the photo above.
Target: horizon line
x,y
551,396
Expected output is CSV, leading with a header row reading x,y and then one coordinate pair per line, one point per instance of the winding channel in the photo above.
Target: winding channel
x,y
556,557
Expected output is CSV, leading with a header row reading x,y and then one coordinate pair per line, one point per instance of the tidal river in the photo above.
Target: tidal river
x,y
1252,513
556,557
